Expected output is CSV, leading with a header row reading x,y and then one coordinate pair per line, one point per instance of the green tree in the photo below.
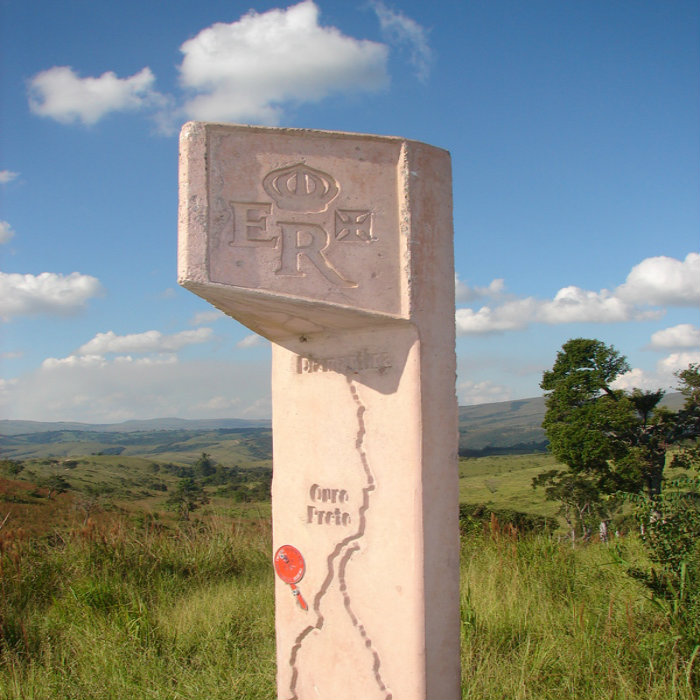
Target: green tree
x,y
582,503
204,466
620,440
670,527
188,496
55,484
689,417
11,466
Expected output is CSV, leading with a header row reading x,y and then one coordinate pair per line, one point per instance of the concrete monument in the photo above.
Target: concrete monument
x,y
338,248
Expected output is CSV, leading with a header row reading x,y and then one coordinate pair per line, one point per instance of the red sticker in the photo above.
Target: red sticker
x,y
290,567
289,564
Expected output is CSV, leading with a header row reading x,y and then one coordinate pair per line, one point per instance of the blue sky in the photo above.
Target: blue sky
x,y
574,129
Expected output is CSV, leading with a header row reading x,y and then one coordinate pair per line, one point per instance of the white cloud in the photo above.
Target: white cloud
x,y
46,293
684,335
218,404
570,305
74,361
639,379
92,389
664,375
59,93
656,281
463,292
100,361
260,408
576,305
470,393
147,342
663,281
251,341
7,176
404,31
243,71
6,232
206,317
510,316
678,360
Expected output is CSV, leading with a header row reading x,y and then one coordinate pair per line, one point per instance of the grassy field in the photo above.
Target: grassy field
x,y
506,482
136,604
116,610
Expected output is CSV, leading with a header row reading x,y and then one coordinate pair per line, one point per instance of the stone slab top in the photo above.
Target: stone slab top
x,y
296,216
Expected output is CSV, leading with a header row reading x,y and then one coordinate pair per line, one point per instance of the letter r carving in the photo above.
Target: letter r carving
x,y
311,241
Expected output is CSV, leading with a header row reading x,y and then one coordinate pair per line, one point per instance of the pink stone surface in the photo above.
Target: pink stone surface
x,y
338,247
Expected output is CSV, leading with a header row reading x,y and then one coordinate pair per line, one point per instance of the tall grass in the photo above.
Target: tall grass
x,y
541,620
117,611
122,613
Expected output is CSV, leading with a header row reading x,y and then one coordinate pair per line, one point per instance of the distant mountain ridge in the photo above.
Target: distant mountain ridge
x,y
25,427
506,427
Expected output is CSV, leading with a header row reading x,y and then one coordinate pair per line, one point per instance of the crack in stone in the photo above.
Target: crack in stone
x,y
349,551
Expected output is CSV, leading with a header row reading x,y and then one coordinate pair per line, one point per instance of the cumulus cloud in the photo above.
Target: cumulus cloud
x,y
46,293
657,281
664,375
157,349
463,292
100,361
95,390
206,317
218,404
6,232
663,281
244,70
7,176
510,316
115,377
141,343
251,341
684,335
678,360
576,305
61,94
406,32
470,393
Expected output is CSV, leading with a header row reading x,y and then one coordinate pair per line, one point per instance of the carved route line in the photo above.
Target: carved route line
x,y
343,548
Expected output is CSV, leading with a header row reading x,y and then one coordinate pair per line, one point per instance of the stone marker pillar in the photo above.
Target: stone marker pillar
x,y
338,248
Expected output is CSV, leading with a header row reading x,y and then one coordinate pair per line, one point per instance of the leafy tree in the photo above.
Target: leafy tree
x,y
617,439
582,503
11,466
204,466
670,530
689,417
188,496
670,526
91,500
55,484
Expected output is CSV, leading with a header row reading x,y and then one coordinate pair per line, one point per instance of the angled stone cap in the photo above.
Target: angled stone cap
x,y
292,230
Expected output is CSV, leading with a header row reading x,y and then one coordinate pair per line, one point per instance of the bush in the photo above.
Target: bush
x,y
475,517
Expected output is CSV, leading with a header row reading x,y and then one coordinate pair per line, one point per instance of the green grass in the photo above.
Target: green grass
x,y
541,620
125,611
135,605
506,482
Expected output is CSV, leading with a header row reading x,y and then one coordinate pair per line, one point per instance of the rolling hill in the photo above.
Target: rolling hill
x,y
507,427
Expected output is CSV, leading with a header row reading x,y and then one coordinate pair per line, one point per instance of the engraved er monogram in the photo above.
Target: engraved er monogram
x,y
297,222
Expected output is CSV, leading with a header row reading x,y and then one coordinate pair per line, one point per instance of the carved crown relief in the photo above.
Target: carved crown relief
x,y
300,188
300,229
